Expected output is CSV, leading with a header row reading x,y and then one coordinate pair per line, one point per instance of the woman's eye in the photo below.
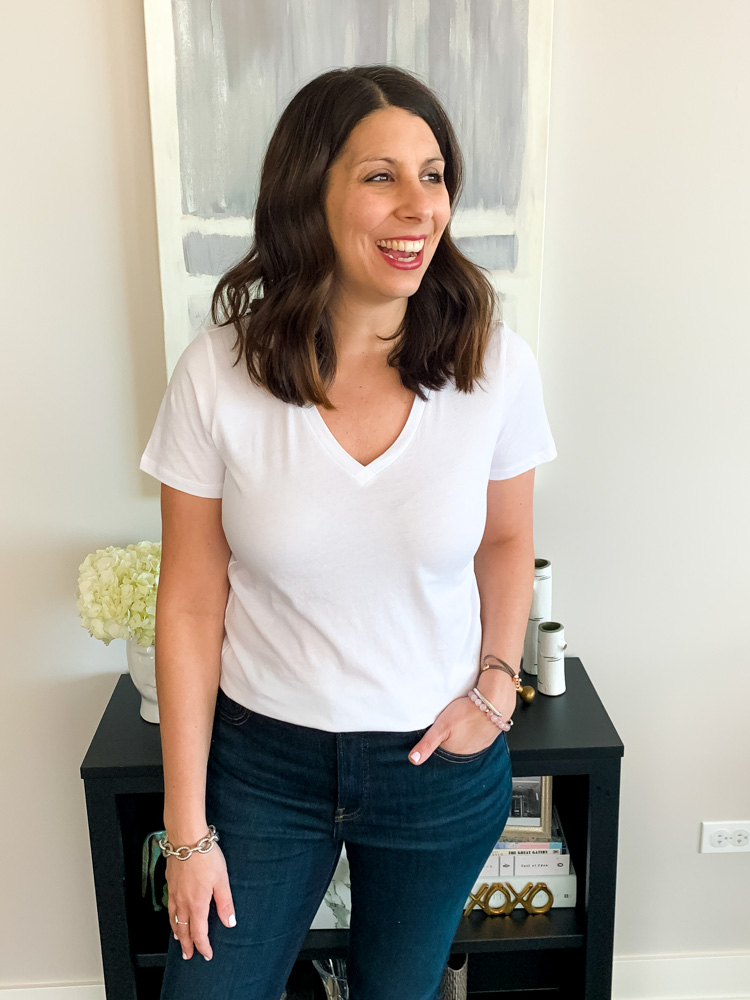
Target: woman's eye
x,y
437,177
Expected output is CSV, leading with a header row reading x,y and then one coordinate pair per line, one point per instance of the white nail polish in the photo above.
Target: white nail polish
x,y
232,920
416,756
184,955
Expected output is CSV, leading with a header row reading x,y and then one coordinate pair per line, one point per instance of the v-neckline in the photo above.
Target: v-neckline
x,y
364,473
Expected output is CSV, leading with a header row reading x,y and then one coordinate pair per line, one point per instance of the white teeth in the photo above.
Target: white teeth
x,y
412,246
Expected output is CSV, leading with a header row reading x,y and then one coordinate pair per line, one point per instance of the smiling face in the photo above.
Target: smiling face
x,y
386,185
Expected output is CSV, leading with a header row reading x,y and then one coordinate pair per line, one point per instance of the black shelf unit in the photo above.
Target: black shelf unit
x,y
570,737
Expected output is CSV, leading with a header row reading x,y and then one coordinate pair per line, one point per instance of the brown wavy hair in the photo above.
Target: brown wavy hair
x,y
277,295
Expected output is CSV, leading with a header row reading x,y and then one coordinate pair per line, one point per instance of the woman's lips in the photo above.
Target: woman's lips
x,y
401,265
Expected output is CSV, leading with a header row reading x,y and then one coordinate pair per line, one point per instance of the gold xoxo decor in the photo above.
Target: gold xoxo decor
x,y
525,897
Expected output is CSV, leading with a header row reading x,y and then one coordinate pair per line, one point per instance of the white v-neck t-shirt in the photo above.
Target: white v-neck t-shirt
x,y
353,603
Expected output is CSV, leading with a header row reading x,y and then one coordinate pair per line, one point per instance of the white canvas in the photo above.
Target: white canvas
x,y
220,73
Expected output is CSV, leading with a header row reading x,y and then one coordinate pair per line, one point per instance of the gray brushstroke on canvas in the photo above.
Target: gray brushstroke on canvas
x,y
214,254
238,65
495,253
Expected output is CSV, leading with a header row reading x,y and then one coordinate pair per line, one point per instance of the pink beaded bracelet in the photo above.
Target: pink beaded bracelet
x,y
492,713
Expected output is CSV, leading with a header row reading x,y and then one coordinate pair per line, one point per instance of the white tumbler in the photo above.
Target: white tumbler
x,y
540,611
551,658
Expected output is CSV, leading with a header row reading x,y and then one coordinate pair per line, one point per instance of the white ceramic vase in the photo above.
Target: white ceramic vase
x,y
540,611
551,658
142,667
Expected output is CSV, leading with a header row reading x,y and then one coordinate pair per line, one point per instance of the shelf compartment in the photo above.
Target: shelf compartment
x,y
517,931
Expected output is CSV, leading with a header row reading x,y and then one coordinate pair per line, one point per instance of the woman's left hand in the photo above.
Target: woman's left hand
x,y
463,728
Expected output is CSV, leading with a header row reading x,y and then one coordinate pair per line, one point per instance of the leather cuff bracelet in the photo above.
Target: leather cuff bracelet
x,y
527,693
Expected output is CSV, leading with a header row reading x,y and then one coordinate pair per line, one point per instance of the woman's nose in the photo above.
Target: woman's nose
x,y
415,202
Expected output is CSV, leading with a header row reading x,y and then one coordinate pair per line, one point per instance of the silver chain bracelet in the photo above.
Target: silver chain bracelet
x,y
203,846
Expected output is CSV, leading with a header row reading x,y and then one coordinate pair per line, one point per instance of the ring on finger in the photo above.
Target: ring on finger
x,y
180,921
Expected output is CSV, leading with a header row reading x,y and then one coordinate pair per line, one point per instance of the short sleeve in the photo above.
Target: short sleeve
x,y
181,451
525,439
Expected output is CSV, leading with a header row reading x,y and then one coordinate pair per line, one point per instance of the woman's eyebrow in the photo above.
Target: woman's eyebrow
x,y
388,159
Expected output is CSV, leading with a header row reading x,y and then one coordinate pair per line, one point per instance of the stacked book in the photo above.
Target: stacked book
x,y
516,863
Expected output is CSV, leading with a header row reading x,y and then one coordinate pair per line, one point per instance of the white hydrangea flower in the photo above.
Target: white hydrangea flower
x,y
117,592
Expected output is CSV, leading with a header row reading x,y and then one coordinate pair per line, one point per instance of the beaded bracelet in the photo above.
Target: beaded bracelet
x,y
492,713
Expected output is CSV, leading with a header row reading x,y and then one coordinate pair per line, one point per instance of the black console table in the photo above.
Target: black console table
x,y
564,952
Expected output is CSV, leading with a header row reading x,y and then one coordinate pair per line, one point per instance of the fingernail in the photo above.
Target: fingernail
x,y
232,920
208,957
175,937
416,756
184,955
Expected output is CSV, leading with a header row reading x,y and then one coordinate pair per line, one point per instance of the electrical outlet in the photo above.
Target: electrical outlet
x,y
725,837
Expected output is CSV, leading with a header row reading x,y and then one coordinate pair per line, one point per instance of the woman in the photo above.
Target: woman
x,y
347,535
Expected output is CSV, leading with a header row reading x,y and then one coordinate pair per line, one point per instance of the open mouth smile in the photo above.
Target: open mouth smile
x,y
402,254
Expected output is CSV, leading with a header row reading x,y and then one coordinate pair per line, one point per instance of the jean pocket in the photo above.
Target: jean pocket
x,y
231,711
463,758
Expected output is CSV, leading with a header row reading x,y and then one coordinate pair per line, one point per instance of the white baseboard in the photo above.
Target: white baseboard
x,y
85,991
682,977
658,977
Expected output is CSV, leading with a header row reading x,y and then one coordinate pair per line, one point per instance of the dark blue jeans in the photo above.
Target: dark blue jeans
x,y
284,798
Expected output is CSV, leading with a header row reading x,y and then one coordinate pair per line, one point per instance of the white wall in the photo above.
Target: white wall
x,y
644,353
644,349
83,368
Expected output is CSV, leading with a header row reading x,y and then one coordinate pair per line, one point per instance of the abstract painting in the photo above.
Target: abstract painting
x,y
221,72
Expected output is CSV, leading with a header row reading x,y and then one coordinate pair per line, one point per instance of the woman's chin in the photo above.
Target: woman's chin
x,y
401,283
